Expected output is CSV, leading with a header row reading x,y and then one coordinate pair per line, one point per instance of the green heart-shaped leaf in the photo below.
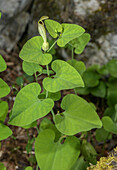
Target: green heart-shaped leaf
x,y
70,32
31,68
100,90
47,124
102,135
82,90
5,132
78,116
28,107
112,67
31,52
3,110
78,65
53,27
91,79
4,88
109,125
80,43
55,156
3,65
66,77
112,95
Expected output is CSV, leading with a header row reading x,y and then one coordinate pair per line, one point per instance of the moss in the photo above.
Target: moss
x,y
106,163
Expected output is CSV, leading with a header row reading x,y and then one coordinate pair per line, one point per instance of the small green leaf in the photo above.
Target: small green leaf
x,y
91,79
78,65
28,107
58,156
82,90
112,95
80,43
3,110
54,96
70,32
4,88
31,52
109,125
2,167
31,68
3,65
28,168
102,135
47,124
53,27
20,81
88,152
5,132
100,90
66,77
78,116
103,70
112,67
110,111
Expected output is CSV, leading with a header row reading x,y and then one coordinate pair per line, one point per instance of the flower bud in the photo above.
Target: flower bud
x,y
45,46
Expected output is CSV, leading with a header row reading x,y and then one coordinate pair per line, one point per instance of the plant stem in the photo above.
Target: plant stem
x,y
72,54
48,76
52,113
37,167
37,129
35,77
52,46
47,70
62,137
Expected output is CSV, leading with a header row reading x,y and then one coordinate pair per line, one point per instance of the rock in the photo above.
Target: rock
x,y
86,7
13,23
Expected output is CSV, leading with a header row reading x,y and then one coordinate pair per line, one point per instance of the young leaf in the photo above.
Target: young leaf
x,y
3,110
54,96
100,90
112,95
28,107
91,79
56,156
31,68
4,88
31,52
5,132
112,67
3,65
70,32
109,125
78,65
47,124
66,77
82,90
80,43
78,116
102,135
53,27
